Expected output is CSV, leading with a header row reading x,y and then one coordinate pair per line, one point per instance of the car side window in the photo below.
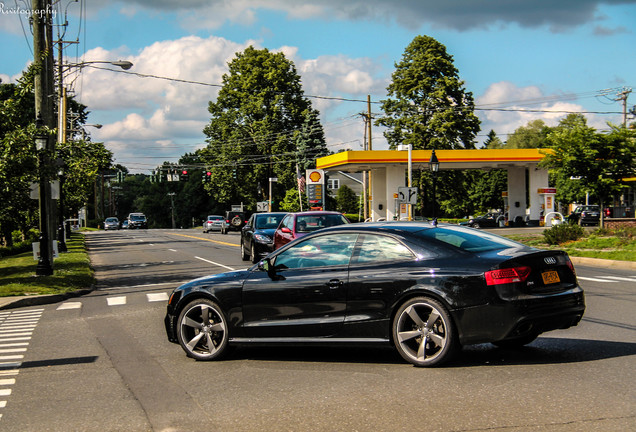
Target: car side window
x,y
376,248
326,250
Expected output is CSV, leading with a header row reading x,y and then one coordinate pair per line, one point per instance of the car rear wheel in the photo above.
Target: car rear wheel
x,y
423,332
202,330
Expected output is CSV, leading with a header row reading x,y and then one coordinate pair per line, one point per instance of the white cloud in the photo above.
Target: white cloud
x,y
147,117
507,107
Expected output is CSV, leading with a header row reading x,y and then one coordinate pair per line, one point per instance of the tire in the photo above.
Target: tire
x,y
516,342
244,255
202,330
236,222
253,254
476,225
424,333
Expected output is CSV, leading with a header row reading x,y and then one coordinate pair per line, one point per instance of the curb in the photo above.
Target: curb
x,y
38,300
605,263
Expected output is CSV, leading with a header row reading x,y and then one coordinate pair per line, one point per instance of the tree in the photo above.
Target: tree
x,y
429,108
258,119
493,141
534,135
598,161
346,200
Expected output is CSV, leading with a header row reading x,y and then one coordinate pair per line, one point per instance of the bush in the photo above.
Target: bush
x,y
562,233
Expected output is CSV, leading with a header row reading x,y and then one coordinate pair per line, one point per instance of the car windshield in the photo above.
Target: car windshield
x,y
268,221
469,241
138,217
112,219
309,223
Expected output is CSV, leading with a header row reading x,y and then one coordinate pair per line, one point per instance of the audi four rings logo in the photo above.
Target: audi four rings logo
x,y
550,260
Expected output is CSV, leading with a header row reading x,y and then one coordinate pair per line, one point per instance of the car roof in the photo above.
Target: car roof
x,y
270,214
388,226
317,213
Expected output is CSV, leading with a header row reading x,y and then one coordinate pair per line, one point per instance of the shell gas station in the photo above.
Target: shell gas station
x,y
389,168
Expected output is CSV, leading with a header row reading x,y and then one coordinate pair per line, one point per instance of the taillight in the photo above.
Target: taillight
x,y
507,275
570,266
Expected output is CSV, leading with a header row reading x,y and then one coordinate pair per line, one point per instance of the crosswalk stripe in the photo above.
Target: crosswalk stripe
x,y
155,297
69,305
116,301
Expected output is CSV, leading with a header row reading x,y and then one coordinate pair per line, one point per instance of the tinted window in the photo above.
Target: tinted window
x,y
309,223
268,221
470,241
375,248
327,250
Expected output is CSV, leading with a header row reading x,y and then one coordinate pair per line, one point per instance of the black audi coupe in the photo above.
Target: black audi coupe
x,y
427,290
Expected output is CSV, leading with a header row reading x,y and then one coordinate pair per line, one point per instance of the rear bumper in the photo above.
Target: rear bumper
x,y
514,319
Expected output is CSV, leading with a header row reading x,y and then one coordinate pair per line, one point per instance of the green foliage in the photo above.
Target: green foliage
x,y
346,200
261,126
534,135
563,233
599,161
428,106
291,202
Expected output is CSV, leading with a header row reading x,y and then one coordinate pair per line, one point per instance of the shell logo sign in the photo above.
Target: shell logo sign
x,y
315,176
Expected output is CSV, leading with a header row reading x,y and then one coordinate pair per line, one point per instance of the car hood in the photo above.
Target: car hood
x,y
268,232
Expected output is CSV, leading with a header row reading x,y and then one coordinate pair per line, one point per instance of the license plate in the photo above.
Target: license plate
x,y
550,277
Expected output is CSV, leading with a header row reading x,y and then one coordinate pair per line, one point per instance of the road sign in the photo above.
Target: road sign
x,y
407,195
262,206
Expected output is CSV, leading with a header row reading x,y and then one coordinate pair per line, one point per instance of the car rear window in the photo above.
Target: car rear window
x,y
468,240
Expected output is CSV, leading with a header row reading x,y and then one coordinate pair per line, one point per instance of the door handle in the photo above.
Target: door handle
x,y
335,283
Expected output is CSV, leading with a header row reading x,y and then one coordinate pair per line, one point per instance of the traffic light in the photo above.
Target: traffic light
x,y
207,177
121,176
184,175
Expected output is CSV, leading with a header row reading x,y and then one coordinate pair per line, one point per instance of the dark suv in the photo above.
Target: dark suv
x,y
137,220
585,214
235,220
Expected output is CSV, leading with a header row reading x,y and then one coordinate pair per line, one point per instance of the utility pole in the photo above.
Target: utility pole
x,y
622,96
44,92
366,175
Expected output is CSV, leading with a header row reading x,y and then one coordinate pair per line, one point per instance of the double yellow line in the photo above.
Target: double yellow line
x,y
206,239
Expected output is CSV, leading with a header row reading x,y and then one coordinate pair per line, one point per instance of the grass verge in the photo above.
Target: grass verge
x,y
72,271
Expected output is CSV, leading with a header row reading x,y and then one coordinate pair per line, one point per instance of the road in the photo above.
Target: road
x,y
101,362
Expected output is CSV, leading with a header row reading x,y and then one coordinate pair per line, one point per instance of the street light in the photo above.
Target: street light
x,y
433,165
409,148
44,267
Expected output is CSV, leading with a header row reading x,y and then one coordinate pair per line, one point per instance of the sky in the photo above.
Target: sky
x,y
522,60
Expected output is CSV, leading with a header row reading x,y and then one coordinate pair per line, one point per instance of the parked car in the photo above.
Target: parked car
x,y
426,290
235,220
585,215
296,225
111,223
215,223
257,236
490,219
137,220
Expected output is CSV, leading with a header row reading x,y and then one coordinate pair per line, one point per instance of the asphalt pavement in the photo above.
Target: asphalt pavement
x,y
24,301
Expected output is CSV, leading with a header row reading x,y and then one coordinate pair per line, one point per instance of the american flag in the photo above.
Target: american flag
x,y
301,180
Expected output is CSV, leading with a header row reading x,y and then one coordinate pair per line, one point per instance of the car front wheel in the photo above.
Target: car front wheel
x,y
202,330
424,333
244,254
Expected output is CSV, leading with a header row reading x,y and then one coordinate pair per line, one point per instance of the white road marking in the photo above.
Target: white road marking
x,y
215,263
618,278
7,381
5,392
595,279
12,350
116,301
172,250
156,297
69,305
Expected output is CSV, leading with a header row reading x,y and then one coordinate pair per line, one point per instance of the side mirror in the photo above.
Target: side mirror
x,y
266,265
286,230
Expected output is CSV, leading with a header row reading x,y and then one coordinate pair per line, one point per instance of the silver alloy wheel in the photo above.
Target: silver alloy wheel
x,y
423,332
253,255
202,330
244,255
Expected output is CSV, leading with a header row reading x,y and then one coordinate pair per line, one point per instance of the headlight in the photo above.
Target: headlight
x,y
262,238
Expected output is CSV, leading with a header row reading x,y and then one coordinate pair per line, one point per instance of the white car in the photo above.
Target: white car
x,y
111,223
215,223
